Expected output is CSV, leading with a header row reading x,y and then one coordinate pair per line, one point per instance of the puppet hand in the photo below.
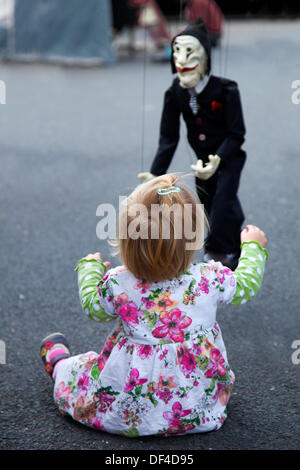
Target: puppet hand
x,y
205,172
146,176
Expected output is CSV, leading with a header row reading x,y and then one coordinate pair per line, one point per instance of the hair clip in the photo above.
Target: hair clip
x,y
171,189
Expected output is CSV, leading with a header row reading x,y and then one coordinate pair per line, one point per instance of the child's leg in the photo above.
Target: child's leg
x,y
54,349
55,357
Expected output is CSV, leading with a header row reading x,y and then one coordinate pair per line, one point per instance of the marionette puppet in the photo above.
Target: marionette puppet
x,y
212,111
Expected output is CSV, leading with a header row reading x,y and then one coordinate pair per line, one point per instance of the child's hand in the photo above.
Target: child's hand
x,y
252,233
97,256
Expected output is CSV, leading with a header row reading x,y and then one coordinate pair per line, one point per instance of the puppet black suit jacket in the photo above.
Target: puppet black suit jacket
x,y
217,128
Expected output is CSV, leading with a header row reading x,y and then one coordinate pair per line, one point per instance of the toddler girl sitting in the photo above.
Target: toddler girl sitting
x,y
164,370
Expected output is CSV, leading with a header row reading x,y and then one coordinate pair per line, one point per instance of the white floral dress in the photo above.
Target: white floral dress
x,y
164,369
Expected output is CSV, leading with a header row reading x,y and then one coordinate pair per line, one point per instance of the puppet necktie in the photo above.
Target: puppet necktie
x,y
193,100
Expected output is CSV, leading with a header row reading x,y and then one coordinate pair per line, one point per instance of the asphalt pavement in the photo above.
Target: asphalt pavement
x,y
73,138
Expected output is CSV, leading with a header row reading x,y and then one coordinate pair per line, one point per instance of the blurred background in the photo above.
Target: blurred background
x,y
86,30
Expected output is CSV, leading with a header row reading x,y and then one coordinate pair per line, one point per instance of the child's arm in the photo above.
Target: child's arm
x,y
91,271
250,270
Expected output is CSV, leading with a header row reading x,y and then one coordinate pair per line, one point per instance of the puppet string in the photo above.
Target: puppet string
x,y
227,44
143,98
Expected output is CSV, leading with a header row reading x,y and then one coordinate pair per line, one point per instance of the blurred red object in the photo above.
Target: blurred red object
x,y
152,18
211,14
138,3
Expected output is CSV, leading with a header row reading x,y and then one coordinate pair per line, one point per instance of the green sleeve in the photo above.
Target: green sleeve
x,y
90,274
250,271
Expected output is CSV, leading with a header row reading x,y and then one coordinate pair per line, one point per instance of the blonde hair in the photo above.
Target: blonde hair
x,y
159,257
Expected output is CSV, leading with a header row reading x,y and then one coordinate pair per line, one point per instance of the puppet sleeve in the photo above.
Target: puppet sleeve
x,y
250,271
235,126
94,294
169,134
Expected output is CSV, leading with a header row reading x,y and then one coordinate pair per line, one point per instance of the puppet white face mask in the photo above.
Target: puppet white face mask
x,y
190,60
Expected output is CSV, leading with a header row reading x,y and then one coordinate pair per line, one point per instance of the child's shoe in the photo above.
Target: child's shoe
x,y
53,349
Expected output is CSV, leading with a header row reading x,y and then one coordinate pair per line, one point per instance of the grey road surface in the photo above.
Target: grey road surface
x,y
73,138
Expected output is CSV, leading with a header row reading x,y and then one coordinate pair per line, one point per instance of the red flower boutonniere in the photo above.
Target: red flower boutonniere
x,y
216,105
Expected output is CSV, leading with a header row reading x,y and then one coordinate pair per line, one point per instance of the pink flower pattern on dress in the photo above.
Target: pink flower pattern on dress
x,y
105,401
107,349
97,424
142,286
164,386
62,391
83,383
203,285
148,303
176,413
173,322
186,360
223,393
174,418
134,380
216,367
145,350
127,309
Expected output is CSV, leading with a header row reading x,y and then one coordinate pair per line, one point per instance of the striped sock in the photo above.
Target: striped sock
x,y
56,352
